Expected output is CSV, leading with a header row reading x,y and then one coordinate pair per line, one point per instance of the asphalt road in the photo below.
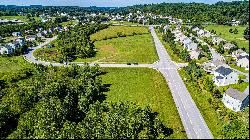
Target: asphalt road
x,y
192,120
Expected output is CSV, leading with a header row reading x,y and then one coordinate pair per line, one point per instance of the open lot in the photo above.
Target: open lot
x,y
125,49
22,18
144,86
223,31
113,31
14,63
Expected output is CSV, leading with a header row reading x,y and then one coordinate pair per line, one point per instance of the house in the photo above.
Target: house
x,y
30,37
191,46
216,40
20,41
235,22
238,52
16,34
186,41
224,75
166,27
243,61
195,29
195,54
228,46
6,49
211,65
235,100
200,32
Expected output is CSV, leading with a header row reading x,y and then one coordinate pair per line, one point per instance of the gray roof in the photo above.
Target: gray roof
x,y
224,71
243,56
236,94
219,77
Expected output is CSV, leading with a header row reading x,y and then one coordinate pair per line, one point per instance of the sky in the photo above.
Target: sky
x,y
99,3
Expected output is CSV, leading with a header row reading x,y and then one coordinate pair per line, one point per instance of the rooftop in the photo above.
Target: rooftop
x,y
236,94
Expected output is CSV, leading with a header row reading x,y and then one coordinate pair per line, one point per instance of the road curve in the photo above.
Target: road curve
x,y
192,120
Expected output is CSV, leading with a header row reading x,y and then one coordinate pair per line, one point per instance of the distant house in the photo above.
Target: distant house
x,y
39,35
166,27
195,54
186,41
228,46
211,65
235,22
223,76
195,29
243,61
16,34
20,41
238,52
30,38
200,32
235,100
6,49
191,46
207,34
216,40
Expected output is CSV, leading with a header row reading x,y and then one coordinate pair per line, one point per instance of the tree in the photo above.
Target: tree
x,y
220,49
184,55
230,30
208,84
246,33
235,31
217,94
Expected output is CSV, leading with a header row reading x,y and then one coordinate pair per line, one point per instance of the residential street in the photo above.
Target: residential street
x,y
192,120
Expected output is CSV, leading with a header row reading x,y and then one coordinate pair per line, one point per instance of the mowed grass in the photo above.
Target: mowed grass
x,y
14,63
225,34
144,86
137,48
22,18
112,32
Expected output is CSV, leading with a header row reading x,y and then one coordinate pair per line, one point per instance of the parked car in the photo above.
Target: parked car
x,y
128,63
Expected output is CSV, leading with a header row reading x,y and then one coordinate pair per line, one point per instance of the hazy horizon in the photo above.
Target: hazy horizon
x,y
99,3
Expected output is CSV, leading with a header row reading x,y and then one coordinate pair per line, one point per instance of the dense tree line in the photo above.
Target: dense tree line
x,y
69,102
76,42
220,12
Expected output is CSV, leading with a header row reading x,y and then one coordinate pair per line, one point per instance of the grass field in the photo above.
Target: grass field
x,y
211,116
225,34
138,48
144,86
22,18
14,63
124,23
71,22
112,32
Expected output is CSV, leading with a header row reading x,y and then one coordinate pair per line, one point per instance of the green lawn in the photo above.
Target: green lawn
x,y
215,119
124,22
14,63
22,18
144,86
171,53
239,68
71,22
138,48
225,34
112,31
241,87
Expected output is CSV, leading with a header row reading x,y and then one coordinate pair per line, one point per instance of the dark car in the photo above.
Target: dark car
x,y
128,63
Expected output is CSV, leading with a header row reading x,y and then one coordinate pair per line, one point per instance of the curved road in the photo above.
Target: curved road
x,y
191,118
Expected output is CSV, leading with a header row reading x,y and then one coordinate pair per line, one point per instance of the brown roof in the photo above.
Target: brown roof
x,y
236,94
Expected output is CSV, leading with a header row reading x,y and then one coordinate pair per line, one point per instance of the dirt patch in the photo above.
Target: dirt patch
x,y
107,48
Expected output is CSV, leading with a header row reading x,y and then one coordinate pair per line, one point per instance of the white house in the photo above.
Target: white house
x,y
228,46
195,29
191,46
30,37
200,32
216,40
223,76
235,100
16,34
238,52
194,54
243,61
6,49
